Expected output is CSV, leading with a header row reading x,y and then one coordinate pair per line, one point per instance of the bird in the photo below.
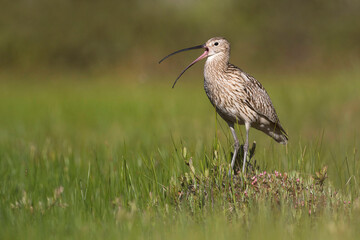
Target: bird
x,y
237,96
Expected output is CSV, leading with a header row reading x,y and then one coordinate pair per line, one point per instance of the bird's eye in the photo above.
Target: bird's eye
x,y
216,43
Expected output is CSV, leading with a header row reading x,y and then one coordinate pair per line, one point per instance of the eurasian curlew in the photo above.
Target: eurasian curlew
x,y
237,97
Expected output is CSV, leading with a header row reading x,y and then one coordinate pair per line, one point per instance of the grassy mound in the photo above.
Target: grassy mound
x,y
303,194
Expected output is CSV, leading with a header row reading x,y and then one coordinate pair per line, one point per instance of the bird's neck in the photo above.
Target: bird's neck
x,y
215,65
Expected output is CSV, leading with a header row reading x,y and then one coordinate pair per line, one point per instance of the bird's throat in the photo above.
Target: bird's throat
x,y
216,64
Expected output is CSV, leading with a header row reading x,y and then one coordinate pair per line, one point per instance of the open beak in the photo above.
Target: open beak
x,y
204,55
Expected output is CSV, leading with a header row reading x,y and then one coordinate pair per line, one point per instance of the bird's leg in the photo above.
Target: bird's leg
x,y
246,144
236,147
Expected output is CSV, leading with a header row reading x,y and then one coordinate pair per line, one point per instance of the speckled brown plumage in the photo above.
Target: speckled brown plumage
x,y
238,97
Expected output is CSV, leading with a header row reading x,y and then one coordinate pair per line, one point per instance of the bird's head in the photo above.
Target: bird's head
x,y
217,45
213,47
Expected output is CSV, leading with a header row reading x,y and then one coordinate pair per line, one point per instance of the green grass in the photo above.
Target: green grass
x,y
96,158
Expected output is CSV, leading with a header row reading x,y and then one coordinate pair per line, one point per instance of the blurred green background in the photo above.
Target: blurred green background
x,y
131,36
86,108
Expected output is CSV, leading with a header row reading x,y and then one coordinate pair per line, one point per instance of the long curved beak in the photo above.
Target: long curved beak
x,y
202,56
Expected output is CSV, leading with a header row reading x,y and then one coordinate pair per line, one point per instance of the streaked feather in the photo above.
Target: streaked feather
x,y
239,97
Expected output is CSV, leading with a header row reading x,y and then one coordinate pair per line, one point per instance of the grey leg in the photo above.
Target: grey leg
x,y
236,147
246,144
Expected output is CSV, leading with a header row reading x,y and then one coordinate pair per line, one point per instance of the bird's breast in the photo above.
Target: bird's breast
x,y
221,99
226,95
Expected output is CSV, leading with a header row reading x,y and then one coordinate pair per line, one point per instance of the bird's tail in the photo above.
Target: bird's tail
x,y
281,137
277,132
